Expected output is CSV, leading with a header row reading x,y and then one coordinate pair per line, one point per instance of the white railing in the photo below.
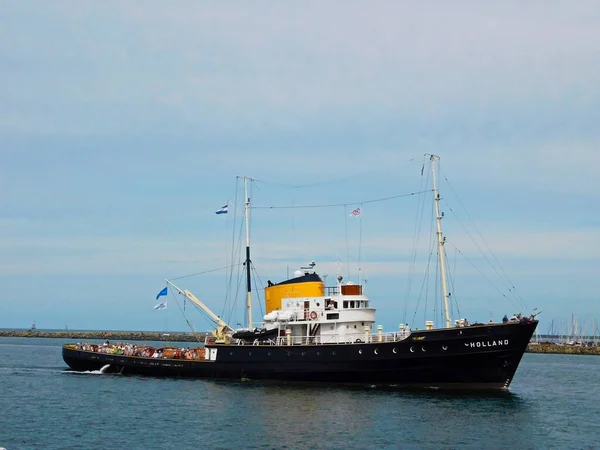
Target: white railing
x,y
332,340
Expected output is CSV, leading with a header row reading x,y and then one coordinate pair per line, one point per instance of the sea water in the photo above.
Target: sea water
x,y
554,403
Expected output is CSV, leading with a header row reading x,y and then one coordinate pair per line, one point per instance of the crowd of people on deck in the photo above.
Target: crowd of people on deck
x,y
143,351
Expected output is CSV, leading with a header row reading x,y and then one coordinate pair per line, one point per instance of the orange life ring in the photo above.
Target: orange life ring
x,y
313,315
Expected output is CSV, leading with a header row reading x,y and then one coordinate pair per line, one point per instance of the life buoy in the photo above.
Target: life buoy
x,y
313,315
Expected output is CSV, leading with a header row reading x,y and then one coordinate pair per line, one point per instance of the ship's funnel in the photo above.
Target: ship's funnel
x,y
306,285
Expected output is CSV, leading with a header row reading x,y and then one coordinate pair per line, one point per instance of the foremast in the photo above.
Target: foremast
x,y
441,240
248,277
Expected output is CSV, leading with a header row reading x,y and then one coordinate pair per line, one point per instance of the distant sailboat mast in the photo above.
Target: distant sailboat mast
x,y
440,239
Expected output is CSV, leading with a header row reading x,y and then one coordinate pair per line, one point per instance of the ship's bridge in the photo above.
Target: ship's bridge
x,y
303,306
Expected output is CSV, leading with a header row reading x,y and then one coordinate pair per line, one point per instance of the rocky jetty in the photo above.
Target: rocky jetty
x,y
110,335
563,349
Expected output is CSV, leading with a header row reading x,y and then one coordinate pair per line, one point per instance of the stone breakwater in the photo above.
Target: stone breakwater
x,y
563,349
80,336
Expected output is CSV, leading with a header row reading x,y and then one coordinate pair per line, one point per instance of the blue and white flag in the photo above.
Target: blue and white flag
x,y
161,305
223,210
161,293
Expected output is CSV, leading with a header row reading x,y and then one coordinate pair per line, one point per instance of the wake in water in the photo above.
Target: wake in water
x,y
102,371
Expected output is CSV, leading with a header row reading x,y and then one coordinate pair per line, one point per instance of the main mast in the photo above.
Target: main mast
x,y
440,239
248,278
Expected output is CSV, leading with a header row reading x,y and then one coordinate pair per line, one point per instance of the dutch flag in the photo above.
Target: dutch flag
x,y
223,210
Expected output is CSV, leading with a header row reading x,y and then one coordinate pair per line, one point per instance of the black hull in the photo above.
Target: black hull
x,y
476,357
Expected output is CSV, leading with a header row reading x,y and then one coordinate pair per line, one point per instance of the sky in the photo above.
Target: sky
x,y
123,127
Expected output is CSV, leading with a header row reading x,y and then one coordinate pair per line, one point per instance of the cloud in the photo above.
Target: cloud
x,y
261,65
123,125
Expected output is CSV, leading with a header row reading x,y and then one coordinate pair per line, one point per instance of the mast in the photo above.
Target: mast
x,y
440,239
248,279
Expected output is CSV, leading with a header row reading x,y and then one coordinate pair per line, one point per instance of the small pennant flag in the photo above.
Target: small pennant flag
x,y
223,210
356,212
161,305
161,293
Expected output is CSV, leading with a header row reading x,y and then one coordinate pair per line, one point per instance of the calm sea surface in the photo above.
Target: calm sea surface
x,y
554,403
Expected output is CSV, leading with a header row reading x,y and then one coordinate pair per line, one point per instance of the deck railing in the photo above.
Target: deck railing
x,y
331,340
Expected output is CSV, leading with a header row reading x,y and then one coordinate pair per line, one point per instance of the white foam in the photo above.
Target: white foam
x,y
102,371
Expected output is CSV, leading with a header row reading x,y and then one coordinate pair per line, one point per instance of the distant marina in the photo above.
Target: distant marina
x,y
566,349
568,337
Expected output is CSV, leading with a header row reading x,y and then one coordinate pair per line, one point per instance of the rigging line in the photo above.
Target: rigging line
x,y
453,300
336,180
505,279
229,280
453,275
185,317
484,241
240,281
233,297
347,248
359,245
383,199
416,238
428,267
234,255
229,311
262,285
293,215
202,313
424,285
202,273
483,274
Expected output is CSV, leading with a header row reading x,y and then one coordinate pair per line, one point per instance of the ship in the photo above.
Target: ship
x,y
328,334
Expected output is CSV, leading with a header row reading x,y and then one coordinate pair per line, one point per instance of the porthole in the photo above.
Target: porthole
x,y
231,353
249,353
360,352
289,354
318,353
412,350
333,353
318,304
269,353
355,327
376,351
423,349
394,350
444,347
303,353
